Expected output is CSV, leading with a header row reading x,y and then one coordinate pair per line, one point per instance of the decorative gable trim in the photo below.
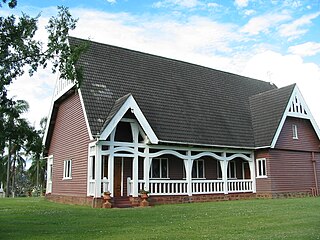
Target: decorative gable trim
x,y
298,108
130,103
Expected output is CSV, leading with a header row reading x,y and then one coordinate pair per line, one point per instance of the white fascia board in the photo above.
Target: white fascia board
x,y
130,103
85,114
47,124
295,93
58,92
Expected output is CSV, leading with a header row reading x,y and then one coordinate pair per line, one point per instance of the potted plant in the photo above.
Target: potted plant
x,y
144,197
106,195
144,194
107,198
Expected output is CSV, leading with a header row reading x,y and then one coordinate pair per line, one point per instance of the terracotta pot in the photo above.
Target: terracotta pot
x,y
144,196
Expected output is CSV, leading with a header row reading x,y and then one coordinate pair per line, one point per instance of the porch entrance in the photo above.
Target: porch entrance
x,y
122,170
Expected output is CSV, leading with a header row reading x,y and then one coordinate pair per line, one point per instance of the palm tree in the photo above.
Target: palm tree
x,y
38,168
14,129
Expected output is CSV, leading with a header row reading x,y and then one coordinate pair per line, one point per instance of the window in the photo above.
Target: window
x,y
104,166
159,168
232,170
219,171
93,167
294,131
198,169
261,168
67,169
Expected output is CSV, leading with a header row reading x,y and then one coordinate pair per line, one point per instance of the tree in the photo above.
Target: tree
x,y
38,168
20,51
16,131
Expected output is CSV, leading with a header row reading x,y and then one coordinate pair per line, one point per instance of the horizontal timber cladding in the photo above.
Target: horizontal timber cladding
x,y
307,139
317,158
291,171
70,140
263,185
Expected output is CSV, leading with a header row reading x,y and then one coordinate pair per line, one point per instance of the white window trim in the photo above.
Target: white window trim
x,y
219,174
160,173
67,172
263,165
197,166
229,170
294,131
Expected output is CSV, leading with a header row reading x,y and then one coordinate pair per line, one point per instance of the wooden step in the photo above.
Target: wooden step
x,y
121,202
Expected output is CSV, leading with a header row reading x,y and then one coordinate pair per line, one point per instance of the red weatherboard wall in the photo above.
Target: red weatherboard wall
x,y
70,140
289,164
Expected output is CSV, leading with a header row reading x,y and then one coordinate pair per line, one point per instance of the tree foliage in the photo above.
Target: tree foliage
x,y
20,51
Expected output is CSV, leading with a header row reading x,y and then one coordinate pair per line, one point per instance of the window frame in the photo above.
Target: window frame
x,y
261,168
196,165
294,131
229,171
160,168
67,169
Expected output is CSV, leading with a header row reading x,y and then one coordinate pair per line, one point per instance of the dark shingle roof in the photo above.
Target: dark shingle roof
x,y
182,102
267,110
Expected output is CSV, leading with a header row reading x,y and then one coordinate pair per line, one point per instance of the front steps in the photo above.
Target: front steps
x,y
121,202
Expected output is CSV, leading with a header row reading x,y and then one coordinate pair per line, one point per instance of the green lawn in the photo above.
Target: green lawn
x,y
36,218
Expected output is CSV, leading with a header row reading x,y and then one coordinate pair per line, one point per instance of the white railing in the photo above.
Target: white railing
x,y
180,187
207,186
105,185
239,185
141,184
92,184
168,187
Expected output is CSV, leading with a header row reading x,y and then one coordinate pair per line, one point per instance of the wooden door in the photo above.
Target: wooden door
x,y
117,177
246,168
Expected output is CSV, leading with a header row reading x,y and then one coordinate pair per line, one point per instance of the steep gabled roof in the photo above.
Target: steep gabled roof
x,y
183,102
267,110
118,111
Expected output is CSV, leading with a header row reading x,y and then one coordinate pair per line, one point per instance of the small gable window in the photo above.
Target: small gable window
x,y
261,168
294,131
67,169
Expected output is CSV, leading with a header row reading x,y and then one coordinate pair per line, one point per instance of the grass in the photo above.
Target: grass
x,y
36,218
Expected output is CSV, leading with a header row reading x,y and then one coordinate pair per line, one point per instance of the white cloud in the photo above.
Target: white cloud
x,y
180,3
37,91
112,1
305,49
198,40
241,3
158,35
249,12
297,28
284,70
213,5
263,23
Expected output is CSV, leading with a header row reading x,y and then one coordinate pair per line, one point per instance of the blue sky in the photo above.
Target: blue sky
x,y
272,40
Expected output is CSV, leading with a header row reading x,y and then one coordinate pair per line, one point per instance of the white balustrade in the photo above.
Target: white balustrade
x,y
92,184
207,186
168,187
105,185
243,185
180,187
